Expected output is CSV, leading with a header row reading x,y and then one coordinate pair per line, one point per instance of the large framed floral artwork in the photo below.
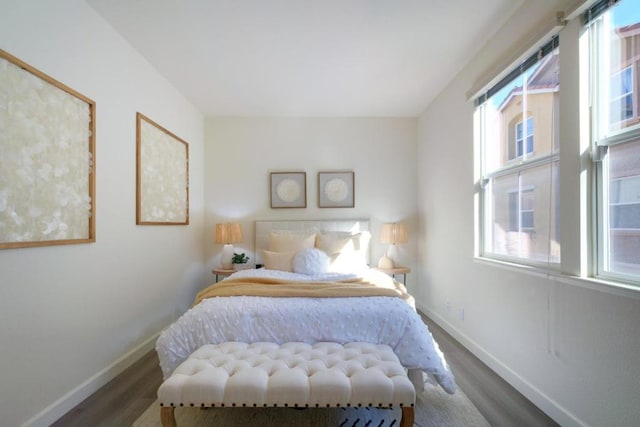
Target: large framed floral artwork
x,y
47,163
288,189
162,196
335,189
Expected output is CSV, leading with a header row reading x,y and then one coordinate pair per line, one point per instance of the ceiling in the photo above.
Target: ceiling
x,y
333,58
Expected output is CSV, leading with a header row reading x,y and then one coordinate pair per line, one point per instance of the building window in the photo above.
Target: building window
x,y
615,60
621,87
519,201
521,210
524,128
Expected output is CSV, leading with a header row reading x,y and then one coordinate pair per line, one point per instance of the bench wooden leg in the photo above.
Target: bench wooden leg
x,y
407,416
167,416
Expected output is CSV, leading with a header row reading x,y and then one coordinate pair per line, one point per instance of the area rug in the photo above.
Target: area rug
x,y
434,408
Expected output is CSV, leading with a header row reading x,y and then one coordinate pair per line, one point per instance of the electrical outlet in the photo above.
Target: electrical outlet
x,y
448,306
461,314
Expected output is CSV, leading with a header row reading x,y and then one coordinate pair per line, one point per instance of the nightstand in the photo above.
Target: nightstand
x,y
222,272
396,270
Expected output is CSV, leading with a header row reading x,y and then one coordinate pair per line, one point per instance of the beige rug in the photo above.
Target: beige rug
x,y
434,408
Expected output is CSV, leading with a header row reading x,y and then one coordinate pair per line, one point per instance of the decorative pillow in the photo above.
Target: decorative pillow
x,y
311,261
348,253
347,263
278,260
287,241
335,243
338,242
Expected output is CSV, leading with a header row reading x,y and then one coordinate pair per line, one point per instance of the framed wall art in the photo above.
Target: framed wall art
x,y
288,189
162,190
47,163
336,189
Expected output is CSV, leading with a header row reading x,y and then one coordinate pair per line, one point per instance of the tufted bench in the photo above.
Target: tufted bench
x,y
323,375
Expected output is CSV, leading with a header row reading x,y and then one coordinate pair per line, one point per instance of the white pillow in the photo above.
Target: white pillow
x,y
348,253
348,263
311,261
335,243
287,241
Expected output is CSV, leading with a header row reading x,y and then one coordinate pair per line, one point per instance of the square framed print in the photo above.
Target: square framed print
x,y
336,189
47,162
288,189
162,193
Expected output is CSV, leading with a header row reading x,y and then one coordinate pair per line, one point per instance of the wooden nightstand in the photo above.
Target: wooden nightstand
x,y
222,272
396,270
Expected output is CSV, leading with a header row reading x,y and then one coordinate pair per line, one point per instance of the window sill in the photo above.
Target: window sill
x,y
596,284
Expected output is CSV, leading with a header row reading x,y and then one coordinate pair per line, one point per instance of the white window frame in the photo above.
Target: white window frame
x,y
602,139
524,162
520,211
624,204
525,137
624,95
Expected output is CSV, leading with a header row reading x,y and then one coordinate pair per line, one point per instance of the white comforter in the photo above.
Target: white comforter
x,y
380,320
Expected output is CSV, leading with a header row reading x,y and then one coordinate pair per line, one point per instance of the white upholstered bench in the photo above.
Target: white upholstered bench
x,y
299,375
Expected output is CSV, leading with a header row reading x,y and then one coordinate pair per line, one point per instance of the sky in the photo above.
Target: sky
x,y
626,12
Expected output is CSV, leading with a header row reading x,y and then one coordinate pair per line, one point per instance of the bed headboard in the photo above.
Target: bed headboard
x,y
263,228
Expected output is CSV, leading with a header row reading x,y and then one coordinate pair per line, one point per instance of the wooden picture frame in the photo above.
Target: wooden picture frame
x,y
336,189
162,175
47,166
288,189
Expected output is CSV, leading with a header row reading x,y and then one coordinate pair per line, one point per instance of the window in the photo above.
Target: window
x,y
615,62
524,128
621,104
519,200
521,210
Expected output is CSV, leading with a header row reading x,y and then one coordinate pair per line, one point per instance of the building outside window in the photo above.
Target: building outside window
x,y
521,209
518,126
615,65
524,128
621,107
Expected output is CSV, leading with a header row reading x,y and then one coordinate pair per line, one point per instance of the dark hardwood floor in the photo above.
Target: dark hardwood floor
x,y
497,400
121,401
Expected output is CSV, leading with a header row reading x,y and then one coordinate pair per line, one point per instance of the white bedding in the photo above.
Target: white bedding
x,y
380,320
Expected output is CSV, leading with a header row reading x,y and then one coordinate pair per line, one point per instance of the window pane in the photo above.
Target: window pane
x,y
523,116
615,84
523,218
527,219
624,207
519,128
620,33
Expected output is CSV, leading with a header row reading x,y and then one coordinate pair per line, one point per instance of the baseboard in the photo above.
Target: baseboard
x,y
554,410
57,409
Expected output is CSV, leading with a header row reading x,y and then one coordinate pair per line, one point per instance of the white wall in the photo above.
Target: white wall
x,y
72,316
241,152
570,346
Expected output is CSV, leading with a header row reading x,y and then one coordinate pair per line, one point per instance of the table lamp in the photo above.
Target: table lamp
x,y
392,234
227,234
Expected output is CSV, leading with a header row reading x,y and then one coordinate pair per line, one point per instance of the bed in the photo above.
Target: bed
x,y
330,296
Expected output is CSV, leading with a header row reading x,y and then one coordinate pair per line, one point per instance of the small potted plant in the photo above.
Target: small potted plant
x,y
239,261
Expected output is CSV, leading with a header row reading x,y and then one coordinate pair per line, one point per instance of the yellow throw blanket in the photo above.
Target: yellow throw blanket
x,y
269,287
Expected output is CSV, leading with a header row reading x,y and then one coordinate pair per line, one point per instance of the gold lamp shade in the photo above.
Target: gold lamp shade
x,y
227,234
392,234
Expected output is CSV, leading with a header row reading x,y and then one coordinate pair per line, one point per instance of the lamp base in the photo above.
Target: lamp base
x,y
385,262
226,257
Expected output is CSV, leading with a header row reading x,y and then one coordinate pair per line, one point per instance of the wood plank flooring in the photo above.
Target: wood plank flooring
x,y
497,400
120,402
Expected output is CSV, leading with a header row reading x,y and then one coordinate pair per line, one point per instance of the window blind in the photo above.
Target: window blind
x,y
597,9
524,66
